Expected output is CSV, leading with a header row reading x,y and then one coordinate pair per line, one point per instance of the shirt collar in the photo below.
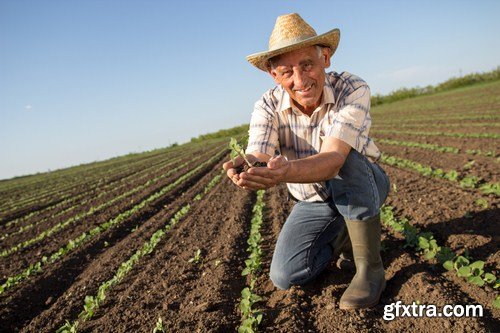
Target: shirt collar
x,y
326,98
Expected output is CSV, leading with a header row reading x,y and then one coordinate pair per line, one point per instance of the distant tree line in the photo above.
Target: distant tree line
x,y
455,82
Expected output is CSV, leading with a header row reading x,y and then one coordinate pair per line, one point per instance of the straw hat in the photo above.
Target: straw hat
x,y
290,33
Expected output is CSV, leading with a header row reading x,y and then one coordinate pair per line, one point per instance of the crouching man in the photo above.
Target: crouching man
x,y
319,123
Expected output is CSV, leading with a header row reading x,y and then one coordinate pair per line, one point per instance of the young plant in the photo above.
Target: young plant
x,y
237,150
197,257
159,326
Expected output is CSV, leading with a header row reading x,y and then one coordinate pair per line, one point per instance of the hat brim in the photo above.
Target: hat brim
x,y
330,39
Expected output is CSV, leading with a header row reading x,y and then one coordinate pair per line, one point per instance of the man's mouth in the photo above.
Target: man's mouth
x,y
304,90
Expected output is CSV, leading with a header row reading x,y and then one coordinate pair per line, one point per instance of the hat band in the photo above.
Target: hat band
x,y
289,42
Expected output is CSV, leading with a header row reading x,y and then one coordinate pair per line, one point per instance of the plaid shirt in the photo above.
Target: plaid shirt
x,y
344,113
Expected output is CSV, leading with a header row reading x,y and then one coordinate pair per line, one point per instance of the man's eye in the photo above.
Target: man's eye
x,y
308,66
287,73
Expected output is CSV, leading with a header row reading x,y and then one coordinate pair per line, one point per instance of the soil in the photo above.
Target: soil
x,y
244,167
205,296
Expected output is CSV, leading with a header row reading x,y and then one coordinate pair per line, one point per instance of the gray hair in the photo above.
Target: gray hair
x,y
272,65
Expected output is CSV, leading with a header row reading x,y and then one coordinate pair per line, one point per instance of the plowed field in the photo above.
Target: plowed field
x,y
117,245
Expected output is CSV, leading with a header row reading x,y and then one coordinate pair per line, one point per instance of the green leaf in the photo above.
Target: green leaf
x,y
255,298
448,265
477,265
464,271
476,280
489,278
496,302
461,261
423,243
245,305
245,293
429,255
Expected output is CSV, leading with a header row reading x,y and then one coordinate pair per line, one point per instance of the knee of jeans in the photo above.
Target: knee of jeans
x,y
280,278
285,278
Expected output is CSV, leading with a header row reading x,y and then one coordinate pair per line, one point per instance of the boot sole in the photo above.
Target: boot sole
x,y
364,306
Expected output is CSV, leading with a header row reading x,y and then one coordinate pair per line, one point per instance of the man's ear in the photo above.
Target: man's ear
x,y
273,74
326,56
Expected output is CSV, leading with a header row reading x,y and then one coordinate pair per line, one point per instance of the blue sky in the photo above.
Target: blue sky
x,y
82,81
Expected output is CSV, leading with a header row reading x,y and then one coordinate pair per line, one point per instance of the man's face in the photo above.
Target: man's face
x,y
302,75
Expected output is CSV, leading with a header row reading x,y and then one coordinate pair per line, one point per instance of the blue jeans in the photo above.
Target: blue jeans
x,y
303,247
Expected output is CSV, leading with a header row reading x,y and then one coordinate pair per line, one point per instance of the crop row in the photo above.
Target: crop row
x,y
93,175
448,134
417,119
87,236
109,191
250,317
96,179
426,245
92,303
56,178
451,175
92,210
436,147
59,177
447,125
75,199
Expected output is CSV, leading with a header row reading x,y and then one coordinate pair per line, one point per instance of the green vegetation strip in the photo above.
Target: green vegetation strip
x,y
251,317
85,237
451,175
411,121
90,176
62,225
447,125
435,147
425,244
455,135
419,145
139,172
92,303
103,191
92,189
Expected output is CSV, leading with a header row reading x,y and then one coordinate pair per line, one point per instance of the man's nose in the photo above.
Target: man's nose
x,y
298,78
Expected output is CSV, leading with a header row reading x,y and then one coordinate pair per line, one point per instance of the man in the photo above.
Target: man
x,y
318,123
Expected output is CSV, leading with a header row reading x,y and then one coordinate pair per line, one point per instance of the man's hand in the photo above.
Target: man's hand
x,y
231,167
265,177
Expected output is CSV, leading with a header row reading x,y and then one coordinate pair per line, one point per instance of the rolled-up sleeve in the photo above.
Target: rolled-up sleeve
x,y
263,132
352,122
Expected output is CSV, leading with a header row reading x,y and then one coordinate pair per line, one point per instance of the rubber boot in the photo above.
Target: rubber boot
x,y
343,250
369,282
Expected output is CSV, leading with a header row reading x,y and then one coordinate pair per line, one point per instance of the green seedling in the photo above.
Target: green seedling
x,y
424,241
68,328
251,318
197,257
237,150
491,189
496,302
469,165
159,326
483,203
469,182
